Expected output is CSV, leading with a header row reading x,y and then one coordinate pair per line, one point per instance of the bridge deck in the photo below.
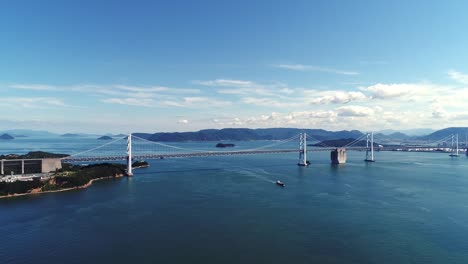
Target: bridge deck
x,y
225,153
193,154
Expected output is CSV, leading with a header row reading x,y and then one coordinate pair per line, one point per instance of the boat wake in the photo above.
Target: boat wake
x,y
255,175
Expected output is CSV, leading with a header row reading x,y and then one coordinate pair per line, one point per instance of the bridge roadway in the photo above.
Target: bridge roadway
x,y
195,154
220,153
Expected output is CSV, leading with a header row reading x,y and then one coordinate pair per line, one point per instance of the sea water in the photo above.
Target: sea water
x,y
404,208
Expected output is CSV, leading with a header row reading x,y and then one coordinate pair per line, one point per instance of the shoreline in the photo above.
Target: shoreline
x,y
37,190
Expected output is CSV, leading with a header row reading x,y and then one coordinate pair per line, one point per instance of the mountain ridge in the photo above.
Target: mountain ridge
x,y
247,134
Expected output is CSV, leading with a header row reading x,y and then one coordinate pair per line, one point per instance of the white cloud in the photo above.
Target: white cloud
x,y
32,102
458,77
438,110
334,97
262,91
186,102
241,87
131,101
382,105
269,102
156,89
355,110
301,67
36,87
225,82
204,102
395,90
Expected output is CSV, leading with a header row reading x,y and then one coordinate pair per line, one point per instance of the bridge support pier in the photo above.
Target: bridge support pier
x,y
2,172
338,156
22,167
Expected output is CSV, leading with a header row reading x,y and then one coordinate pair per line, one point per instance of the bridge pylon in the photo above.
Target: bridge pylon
x,y
370,149
303,150
129,155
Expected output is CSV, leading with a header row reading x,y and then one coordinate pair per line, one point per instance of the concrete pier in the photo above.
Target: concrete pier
x,y
338,156
2,172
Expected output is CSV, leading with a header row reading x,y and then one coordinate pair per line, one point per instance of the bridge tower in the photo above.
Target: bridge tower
x,y
370,150
303,150
129,155
454,149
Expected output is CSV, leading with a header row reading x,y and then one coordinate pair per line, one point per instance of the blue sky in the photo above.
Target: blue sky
x,y
122,66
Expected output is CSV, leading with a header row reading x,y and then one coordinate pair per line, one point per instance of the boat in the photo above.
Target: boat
x,y
280,183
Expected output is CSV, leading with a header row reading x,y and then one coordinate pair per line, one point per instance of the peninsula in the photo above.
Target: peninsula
x,y
70,177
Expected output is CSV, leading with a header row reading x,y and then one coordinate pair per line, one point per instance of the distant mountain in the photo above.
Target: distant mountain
x,y
248,134
28,133
6,137
440,134
392,136
409,132
398,135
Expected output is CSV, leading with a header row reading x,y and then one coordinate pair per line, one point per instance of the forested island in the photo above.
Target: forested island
x,y
104,138
140,164
70,177
225,145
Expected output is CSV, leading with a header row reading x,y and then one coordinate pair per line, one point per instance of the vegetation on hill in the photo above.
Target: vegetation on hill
x,y
7,188
33,155
140,164
75,176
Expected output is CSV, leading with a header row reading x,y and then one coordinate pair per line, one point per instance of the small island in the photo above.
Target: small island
x,y
6,137
70,135
225,145
140,164
104,138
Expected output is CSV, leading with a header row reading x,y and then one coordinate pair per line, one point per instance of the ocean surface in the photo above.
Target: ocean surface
x,y
404,208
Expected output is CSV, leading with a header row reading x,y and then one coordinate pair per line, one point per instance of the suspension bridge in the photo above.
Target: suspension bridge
x,y
138,148
132,148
